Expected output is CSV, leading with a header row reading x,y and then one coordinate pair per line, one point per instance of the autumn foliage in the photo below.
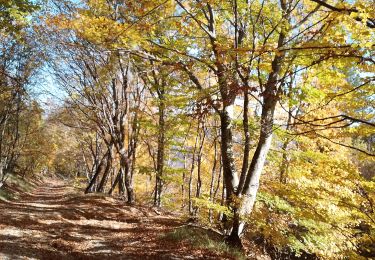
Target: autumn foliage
x,y
252,117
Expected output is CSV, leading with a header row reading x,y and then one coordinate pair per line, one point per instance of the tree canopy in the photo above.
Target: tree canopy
x,y
253,117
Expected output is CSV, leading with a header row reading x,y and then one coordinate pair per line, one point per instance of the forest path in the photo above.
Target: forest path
x,y
56,222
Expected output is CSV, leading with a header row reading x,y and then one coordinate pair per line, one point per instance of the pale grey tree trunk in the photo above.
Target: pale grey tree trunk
x,y
250,189
227,157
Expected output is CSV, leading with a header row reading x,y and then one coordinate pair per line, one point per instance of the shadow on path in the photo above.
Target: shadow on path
x,y
54,222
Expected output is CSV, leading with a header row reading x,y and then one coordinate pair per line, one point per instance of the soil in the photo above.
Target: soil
x,y
55,221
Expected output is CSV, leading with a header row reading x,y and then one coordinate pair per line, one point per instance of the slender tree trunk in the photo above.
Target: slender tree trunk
x,y
161,148
212,182
107,171
99,170
284,163
202,136
218,179
245,161
116,182
191,176
190,190
134,143
222,216
183,184
284,167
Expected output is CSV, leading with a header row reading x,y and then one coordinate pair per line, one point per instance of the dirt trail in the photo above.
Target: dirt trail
x,y
54,222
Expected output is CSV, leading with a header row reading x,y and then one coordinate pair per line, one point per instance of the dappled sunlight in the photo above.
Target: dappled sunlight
x,y
12,232
182,129
85,227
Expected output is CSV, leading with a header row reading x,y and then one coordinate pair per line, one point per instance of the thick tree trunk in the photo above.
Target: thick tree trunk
x,y
121,183
229,171
129,185
230,177
2,175
128,179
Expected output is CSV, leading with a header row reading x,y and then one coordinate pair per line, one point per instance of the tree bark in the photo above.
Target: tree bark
x,y
183,184
161,149
114,184
229,171
284,167
284,163
99,170
107,171
245,160
190,190
202,136
250,188
212,182
125,164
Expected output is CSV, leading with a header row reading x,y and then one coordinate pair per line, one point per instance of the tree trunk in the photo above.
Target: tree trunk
x,y
218,179
202,136
190,188
253,176
183,184
128,179
121,183
107,171
229,171
117,181
191,176
245,161
284,163
286,158
212,183
250,188
160,153
99,170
